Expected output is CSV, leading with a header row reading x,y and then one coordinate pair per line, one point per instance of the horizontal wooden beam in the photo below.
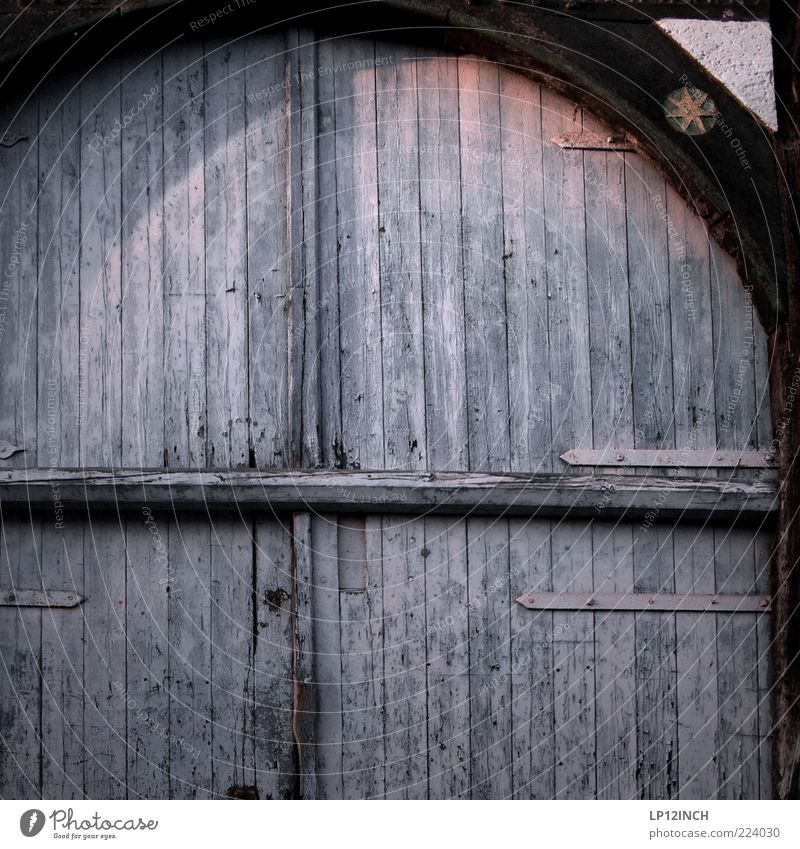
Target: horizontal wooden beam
x,y
689,603
599,496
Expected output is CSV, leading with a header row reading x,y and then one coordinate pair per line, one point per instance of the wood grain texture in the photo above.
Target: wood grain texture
x,y
574,706
491,726
391,231
645,497
447,647
272,661
615,665
361,373
62,664
268,262
19,259
484,273
442,262
231,657
58,294
145,690
100,270
737,672
404,659
143,249
697,667
185,327
363,678
20,658
532,663
104,724
399,254
190,647
656,674
227,351
327,655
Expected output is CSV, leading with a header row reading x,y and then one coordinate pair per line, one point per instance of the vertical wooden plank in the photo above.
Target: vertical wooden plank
x,y
609,313
692,331
272,662
733,318
63,751
100,353
363,699
656,674
146,697
232,767
104,640
568,316
532,662
484,270
399,258
226,255
525,263
442,262
327,656
142,289
190,614
761,387
20,654
404,658
737,672
762,557
361,378
58,299
18,259
696,658
615,665
304,394
326,307
268,262
447,649
490,659
574,665
185,408
304,705
649,296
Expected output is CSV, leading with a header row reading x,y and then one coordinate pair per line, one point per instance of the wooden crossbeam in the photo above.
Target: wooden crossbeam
x,y
599,496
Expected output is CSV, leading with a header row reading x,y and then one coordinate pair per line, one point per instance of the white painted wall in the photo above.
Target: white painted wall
x,y
738,53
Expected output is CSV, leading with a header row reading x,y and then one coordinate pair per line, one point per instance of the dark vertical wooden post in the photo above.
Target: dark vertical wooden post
x,y
785,395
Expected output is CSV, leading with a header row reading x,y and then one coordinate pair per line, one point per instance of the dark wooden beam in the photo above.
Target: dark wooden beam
x,y
648,10
598,496
785,395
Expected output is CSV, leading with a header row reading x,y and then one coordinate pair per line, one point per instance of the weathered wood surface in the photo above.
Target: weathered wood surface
x,y
352,255
350,657
273,255
396,492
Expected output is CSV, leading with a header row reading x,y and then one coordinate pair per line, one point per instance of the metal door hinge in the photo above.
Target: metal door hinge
x,y
679,458
583,140
40,598
689,603
7,449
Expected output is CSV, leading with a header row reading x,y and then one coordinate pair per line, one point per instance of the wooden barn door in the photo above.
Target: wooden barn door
x,y
434,681
382,391
147,656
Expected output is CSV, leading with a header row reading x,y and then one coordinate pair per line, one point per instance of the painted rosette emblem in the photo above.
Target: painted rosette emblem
x,y
690,111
